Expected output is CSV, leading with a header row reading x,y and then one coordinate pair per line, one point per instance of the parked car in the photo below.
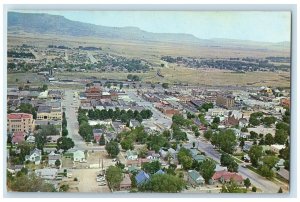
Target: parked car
x,y
102,183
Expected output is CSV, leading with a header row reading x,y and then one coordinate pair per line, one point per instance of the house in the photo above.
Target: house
x,y
220,168
125,183
194,178
134,123
284,173
47,173
276,148
97,134
243,122
131,155
78,156
18,137
35,156
199,158
141,177
225,177
52,158
247,146
30,139
152,155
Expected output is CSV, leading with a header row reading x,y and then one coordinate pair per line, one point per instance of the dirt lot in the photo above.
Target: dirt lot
x,y
86,181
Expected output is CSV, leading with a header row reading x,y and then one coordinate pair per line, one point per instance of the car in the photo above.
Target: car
x,y
114,160
244,166
100,179
102,183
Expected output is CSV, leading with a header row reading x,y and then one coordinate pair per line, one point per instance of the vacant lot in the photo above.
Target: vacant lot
x,y
213,77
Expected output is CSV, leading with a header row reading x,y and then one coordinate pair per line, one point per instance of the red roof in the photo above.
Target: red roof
x,y
19,116
18,137
227,176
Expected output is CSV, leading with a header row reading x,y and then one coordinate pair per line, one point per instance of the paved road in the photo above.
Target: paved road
x,y
73,127
260,182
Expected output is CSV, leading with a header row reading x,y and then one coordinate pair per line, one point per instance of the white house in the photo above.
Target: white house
x,y
78,156
35,156
52,157
47,173
131,155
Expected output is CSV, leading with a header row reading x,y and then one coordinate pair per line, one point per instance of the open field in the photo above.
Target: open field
x,y
151,51
196,77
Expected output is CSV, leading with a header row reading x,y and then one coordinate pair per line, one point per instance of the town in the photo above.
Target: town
x,y
82,117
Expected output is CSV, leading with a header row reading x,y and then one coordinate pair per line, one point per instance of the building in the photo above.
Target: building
x,y
93,93
35,156
225,177
141,177
47,173
226,101
194,178
52,158
18,137
78,156
97,134
216,112
131,155
125,184
20,122
50,111
276,148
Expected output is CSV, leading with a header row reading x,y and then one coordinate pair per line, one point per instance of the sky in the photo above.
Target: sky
x,y
267,26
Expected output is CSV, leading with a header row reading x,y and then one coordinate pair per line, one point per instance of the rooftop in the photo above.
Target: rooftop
x,y
19,116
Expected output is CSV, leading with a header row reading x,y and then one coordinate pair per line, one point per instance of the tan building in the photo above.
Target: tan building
x,y
226,101
20,122
49,113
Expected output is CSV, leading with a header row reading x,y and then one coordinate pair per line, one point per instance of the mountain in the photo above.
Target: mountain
x,y
59,25
40,23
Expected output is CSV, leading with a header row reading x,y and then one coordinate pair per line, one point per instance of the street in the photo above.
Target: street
x,y
260,182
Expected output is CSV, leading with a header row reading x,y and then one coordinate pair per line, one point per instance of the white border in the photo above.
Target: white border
x,y
150,6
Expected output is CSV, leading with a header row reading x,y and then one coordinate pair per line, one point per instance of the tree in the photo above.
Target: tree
x,y
45,87
207,169
151,167
143,152
114,176
253,189
163,183
65,143
269,120
64,132
127,144
228,161
253,135
216,120
269,140
186,162
255,153
86,131
280,136
112,148
57,163
225,140
30,183
102,140
208,134
206,106
27,108
165,85
247,183
280,190
232,187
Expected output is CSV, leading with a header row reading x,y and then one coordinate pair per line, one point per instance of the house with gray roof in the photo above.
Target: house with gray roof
x,y
35,156
194,178
52,158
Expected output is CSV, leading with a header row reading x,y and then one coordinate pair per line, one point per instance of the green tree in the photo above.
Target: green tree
x,y
165,85
163,183
151,167
269,140
232,187
186,162
216,120
86,131
112,148
57,163
65,143
280,136
207,169
225,140
247,183
228,161
102,140
64,132
114,177
280,190
127,144
208,134
27,108
255,153
206,106
45,87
